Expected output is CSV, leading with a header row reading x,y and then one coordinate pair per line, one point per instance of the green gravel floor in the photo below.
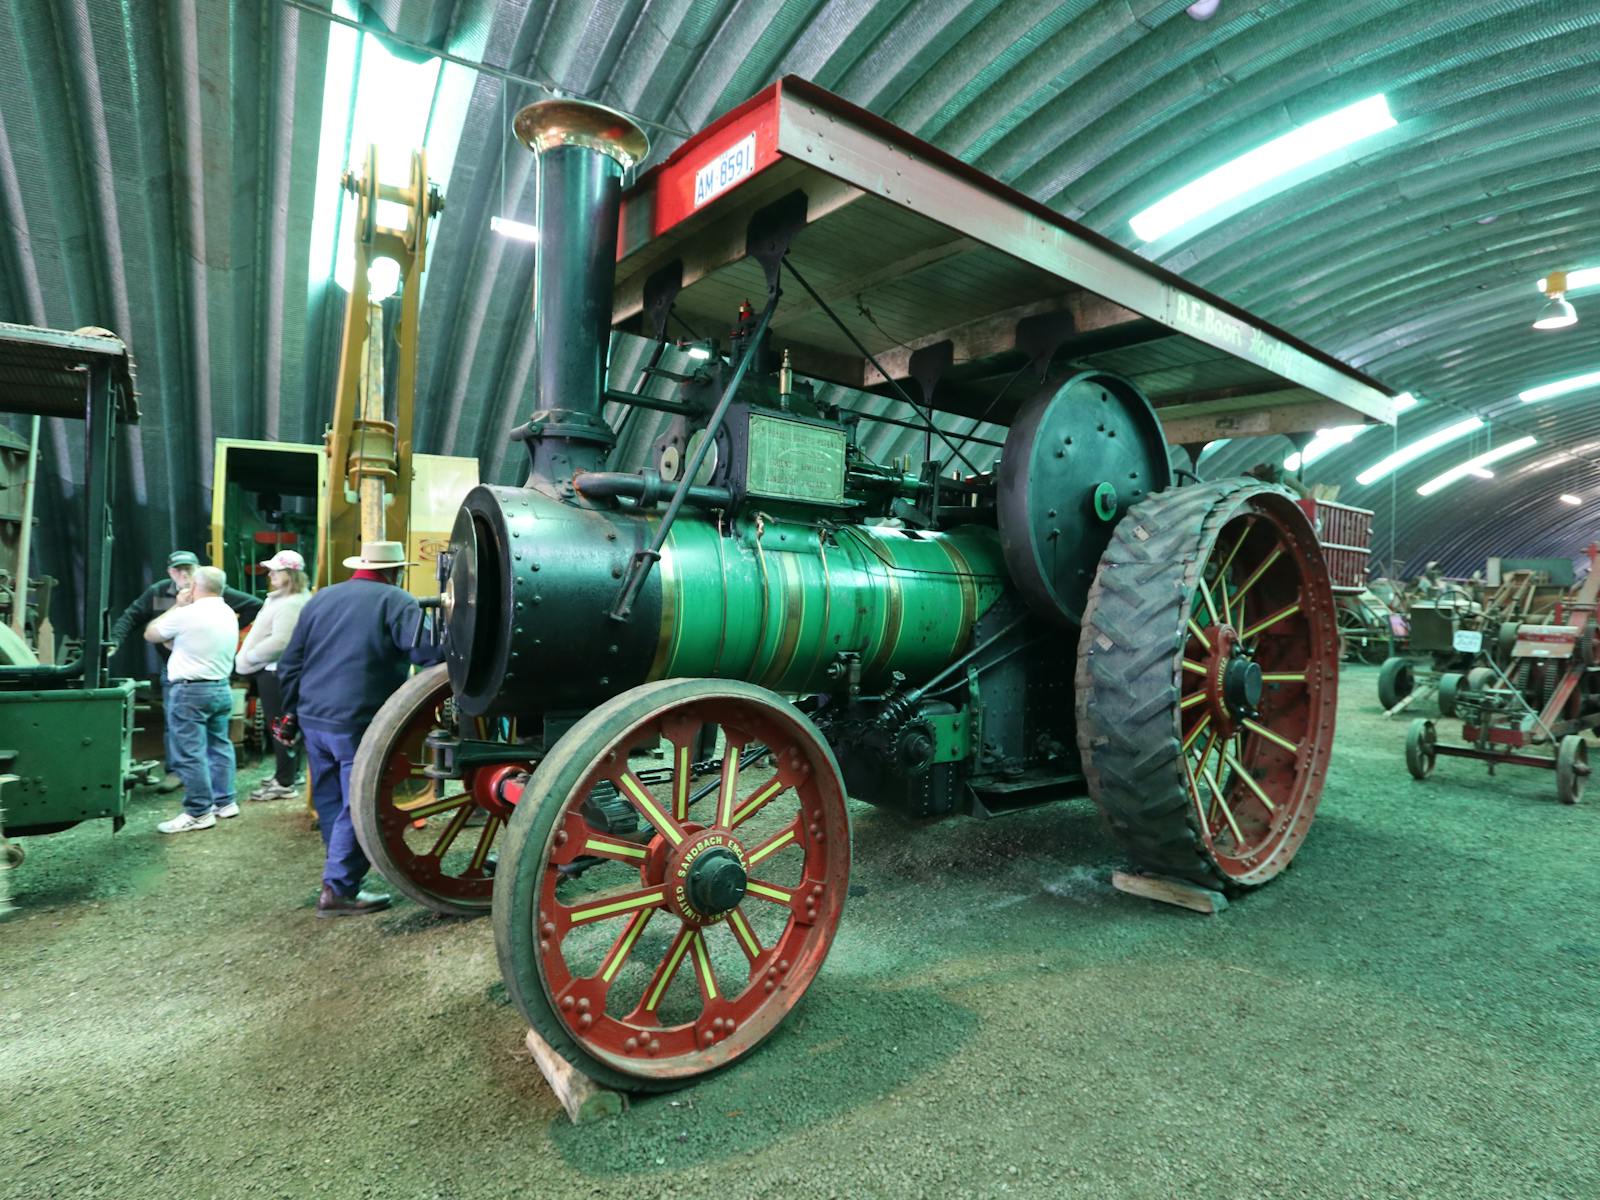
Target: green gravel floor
x,y
1412,1010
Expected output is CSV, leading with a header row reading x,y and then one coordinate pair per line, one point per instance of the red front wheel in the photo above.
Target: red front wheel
x,y
651,949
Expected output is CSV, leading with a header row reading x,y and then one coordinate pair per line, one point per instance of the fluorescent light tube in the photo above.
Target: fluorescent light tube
x,y
1576,280
1474,465
1418,448
1568,498
1560,387
1251,170
519,230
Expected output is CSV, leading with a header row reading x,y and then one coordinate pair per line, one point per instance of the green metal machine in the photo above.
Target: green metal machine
x,y
66,729
663,683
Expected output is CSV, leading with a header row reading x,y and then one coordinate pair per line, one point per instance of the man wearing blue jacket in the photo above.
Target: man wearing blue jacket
x,y
353,646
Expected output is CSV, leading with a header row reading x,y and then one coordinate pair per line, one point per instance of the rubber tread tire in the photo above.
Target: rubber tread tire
x,y
377,743
1126,687
1396,681
1450,685
1572,766
527,832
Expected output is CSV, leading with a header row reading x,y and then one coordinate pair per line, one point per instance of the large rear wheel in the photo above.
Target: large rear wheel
x,y
432,839
649,959
1207,672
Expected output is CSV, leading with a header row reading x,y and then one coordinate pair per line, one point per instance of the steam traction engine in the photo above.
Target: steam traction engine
x,y
662,684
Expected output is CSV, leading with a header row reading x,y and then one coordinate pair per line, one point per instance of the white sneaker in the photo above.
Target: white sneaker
x,y
183,823
230,809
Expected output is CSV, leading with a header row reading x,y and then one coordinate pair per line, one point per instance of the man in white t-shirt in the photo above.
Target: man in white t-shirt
x,y
204,633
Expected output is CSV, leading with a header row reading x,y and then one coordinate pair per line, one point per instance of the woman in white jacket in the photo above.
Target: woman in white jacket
x,y
263,646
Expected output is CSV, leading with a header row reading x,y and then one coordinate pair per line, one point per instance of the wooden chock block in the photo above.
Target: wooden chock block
x,y
583,1098
1170,891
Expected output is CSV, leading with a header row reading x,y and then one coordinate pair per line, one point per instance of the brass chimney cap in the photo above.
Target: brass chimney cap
x,y
546,124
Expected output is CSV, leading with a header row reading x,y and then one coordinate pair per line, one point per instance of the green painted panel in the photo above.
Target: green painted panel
x,y
776,602
70,750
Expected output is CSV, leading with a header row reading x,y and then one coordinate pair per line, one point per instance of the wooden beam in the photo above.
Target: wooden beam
x,y
996,333
583,1098
1176,892
1292,410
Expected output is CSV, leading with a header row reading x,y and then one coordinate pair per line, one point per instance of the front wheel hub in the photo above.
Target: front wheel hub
x,y
716,882
1241,684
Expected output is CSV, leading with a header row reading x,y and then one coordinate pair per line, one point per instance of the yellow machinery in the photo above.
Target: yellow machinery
x,y
364,483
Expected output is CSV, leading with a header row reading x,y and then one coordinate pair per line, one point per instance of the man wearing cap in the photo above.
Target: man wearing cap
x,y
258,658
353,646
157,599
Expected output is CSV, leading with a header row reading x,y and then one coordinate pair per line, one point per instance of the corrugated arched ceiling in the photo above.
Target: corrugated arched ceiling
x,y
158,175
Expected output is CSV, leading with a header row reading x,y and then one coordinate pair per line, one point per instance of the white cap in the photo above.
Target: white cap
x,y
285,560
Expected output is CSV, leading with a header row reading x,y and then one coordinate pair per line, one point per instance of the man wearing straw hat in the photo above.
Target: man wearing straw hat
x,y
354,644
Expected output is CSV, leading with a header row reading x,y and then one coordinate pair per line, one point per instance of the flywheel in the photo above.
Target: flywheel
x,y
1206,682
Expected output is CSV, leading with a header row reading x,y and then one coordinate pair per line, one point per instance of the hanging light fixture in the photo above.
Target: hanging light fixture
x,y
1557,312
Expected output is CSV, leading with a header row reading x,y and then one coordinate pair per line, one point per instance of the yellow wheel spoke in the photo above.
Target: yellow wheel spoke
x,y
744,935
1205,642
1192,699
773,844
768,891
485,840
616,848
1249,780
1284,677
668,968
1194,791
1238,834
1282,614
1205,595
1199,728
624,944
703,973
1197,668
457,823
615,903
417,809
680,783
1222,576
1277,739
730,785
1244,588
648,806
763,796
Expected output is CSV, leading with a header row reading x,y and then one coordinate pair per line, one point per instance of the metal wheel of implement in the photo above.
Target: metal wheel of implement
x,y
1206,682
1505,641
1396,681
421,833
1420,752
647,961
1572,768
1478,679
14,853
1450,684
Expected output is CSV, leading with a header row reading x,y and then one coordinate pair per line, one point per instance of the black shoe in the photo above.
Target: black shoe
x,y
331,904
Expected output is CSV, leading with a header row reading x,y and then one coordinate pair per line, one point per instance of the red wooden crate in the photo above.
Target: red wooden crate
x,y
1346,536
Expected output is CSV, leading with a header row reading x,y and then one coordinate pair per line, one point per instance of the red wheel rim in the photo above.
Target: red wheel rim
x,y
639,973
1256,750
434,832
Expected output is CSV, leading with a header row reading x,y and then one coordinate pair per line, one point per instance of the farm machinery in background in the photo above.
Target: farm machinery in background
x,y
1457,631
66,728
1540,689
663,682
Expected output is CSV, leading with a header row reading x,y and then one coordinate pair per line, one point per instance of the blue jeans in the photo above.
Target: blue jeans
x,y
169,758
197,729
329,755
